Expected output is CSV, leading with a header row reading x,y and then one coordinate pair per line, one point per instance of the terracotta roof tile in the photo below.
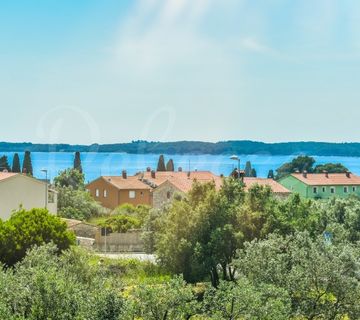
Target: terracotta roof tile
x,y
275,186
131,182
6,175
332,179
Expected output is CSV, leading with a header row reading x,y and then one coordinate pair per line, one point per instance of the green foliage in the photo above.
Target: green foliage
x,y
320,279
253,173
248,169
25,229
122,223
161,164
70,178
171,300
199,233
301,163
46,286
331,168
4,164
77,204
140,212
244,300
16,163
27,164
77,162
170,165
271,174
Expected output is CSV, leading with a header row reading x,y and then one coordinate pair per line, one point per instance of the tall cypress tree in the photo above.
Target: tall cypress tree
x,y
253,173
248,169
77,162
4,164
27,164
271,174
16,163
170,165
161,164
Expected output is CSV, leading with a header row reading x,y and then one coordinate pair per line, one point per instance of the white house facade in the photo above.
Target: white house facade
x,y
18,190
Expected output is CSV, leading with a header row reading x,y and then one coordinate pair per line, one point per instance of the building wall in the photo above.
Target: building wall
x,y
111,201
161,194
120,242
116,197
22,191
141,197
339,192
306,191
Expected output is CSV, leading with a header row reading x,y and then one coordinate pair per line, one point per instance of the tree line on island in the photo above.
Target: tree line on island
x,y
198,147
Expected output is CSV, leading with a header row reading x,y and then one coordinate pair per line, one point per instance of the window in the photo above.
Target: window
x,y
132,194
97,193
142,193
323,189
168,195
332,190
105,193
346,189
315,190
354,189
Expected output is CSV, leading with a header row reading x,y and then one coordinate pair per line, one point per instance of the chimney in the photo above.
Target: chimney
x,y
180,169
148,169
124,174
326,173
153,174
188,174
348,173
305,174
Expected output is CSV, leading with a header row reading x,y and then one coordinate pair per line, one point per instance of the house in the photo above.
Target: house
x,y
113,191
278,189
166,184
322,185
17,190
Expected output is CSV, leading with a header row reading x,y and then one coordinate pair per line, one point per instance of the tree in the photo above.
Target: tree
x,y
27,164
16,163
70,178
320,279
171,300
77,204
201,233
170,165
161,164
77,162
248,169
253,173
271,174
331,168
301,163
25,229
4,164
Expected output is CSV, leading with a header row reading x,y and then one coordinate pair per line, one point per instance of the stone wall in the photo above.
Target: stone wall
x,y
120,242
164,194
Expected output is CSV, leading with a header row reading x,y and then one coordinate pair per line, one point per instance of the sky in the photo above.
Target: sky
x,y
107,71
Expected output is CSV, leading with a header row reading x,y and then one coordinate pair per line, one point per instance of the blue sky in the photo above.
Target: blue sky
x,y
109,71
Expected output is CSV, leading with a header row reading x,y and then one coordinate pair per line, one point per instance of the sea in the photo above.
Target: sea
x,y
98,164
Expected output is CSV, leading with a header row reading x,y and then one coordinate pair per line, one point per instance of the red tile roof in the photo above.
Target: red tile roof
x,y
182,180
131,182
275,186
6,175
332,179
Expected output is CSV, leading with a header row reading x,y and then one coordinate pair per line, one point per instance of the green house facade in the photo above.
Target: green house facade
x,y
322,185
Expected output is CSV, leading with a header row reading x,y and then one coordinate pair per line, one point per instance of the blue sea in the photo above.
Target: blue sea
x,y
97,164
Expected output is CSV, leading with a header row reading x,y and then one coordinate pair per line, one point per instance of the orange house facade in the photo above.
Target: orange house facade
x,y
113,191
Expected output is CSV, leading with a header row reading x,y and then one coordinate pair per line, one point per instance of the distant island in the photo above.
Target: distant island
x,y
197,147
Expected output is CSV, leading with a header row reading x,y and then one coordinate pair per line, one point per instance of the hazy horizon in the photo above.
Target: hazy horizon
x,y
89,71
